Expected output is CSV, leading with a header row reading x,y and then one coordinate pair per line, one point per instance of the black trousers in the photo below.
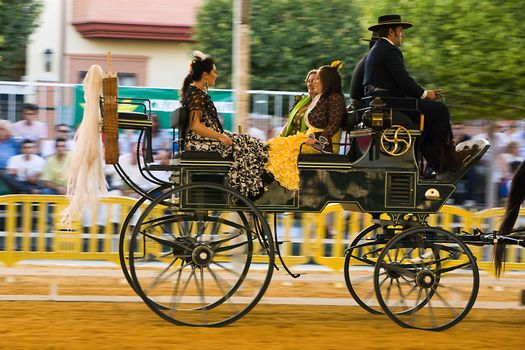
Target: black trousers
x,y
436,140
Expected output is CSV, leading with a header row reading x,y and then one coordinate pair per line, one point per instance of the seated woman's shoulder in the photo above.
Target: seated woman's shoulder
x,y
336,97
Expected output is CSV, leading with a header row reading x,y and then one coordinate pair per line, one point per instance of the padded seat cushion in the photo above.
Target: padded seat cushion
x,y
324,158
133,115
201,155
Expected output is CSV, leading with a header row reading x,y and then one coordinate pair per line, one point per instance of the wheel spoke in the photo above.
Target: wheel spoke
x,y
430,308
401,295
171,244
200,288
230,247
218,280
445,302
406,255
175,294
181,294
452,268
388,291
159,277
415,309
221,241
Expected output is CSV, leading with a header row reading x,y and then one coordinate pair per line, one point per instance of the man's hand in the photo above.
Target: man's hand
x,y
433,94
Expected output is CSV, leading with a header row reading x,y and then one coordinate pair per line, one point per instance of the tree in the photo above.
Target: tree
x,y
17,22
472,49
288,38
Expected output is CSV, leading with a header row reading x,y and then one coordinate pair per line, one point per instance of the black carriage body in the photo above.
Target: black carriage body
x,y
384,185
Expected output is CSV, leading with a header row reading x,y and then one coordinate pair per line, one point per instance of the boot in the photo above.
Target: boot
x,y
453,160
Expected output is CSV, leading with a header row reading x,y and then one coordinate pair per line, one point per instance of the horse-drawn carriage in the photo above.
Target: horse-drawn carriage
x,y
200,253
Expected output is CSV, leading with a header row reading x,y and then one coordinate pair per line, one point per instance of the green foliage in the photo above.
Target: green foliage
x,y
17,22
472,49
288,38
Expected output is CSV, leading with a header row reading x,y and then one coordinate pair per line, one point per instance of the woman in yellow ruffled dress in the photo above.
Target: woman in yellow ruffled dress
x,y
323,119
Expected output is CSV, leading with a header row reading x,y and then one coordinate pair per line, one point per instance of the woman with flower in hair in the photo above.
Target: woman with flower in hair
x,y
296,122
323,118
204,131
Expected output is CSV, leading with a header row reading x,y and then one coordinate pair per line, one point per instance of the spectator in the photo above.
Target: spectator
x,y
47,147
506,164
25,169
29,127
160,138
127,140
163,158
53,178
519,137
8,145
496,138
129,165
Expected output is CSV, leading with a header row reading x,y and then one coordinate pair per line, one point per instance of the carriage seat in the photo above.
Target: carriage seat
x,y
402,111
204,156
134,120
323,158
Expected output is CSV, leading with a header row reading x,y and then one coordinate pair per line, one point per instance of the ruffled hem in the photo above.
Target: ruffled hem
x,y
282,159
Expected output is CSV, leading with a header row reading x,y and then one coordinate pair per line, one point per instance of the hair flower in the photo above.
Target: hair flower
x,y
337,64
198,54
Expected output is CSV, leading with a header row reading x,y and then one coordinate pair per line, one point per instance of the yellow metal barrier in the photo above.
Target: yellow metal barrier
x,y
29,230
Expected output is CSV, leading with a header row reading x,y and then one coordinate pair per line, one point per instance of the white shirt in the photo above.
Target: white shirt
x,y
36,131
25,168
519,137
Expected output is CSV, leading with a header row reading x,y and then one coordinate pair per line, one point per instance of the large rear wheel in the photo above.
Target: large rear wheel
x,y
206,265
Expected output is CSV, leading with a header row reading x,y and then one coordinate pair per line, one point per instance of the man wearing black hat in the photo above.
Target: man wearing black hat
x,y
357,91
386,75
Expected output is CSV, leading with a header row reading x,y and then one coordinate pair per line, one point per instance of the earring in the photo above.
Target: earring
x,y
206,84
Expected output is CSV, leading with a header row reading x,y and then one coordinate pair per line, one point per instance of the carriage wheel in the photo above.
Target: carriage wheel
x,y
125,232
426,278
360,260
201,267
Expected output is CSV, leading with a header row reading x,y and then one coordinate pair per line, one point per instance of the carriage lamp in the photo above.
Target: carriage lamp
x,y
48,55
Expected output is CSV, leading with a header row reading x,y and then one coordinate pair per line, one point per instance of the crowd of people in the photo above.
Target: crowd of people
x,y
33,163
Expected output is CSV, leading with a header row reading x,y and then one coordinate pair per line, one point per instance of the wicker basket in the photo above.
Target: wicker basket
x,y
110,119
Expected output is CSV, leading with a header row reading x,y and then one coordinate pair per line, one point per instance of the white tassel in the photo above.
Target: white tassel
x,y
85,175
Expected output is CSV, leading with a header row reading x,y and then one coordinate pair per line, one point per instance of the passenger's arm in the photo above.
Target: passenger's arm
x,y
197,127
336,111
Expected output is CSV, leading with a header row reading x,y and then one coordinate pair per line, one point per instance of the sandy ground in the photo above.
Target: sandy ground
x,y
54,325
132,325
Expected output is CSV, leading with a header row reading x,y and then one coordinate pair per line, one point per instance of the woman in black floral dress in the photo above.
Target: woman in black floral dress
x,y
205,133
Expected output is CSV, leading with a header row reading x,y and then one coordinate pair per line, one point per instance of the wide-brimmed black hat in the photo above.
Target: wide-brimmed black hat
x,y
389,20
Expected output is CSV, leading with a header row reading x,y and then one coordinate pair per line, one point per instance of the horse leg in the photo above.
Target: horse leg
x,y
516,197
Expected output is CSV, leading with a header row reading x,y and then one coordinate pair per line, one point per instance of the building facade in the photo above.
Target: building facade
x,y
150,41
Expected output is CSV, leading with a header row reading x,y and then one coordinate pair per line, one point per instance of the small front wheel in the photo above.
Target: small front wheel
x,y
426,278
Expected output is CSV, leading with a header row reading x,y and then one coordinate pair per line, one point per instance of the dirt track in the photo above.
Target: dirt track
x,y
116,325
76,325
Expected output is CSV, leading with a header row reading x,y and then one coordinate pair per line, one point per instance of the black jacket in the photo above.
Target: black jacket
x,y
385,69
356,84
